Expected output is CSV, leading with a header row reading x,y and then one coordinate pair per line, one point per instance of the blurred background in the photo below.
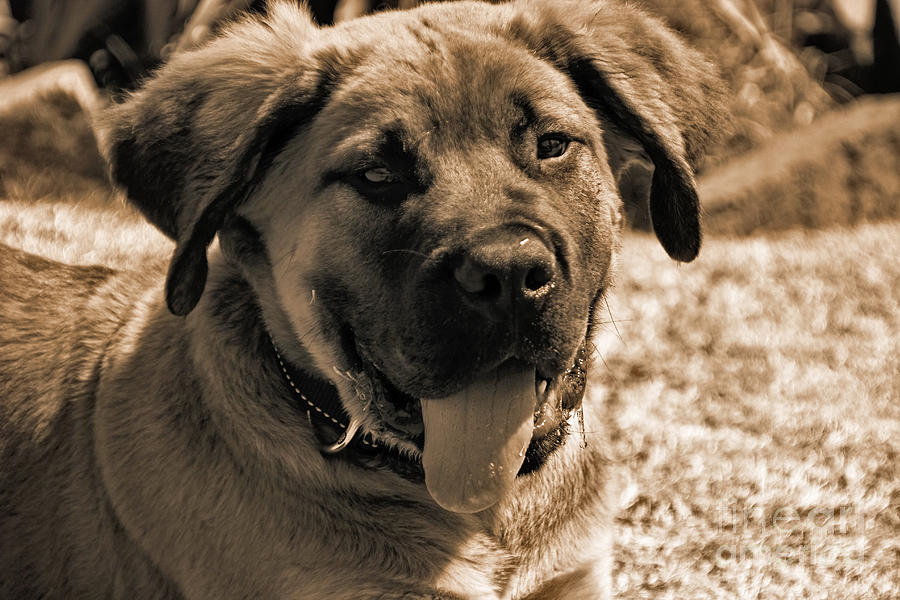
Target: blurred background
x,y
849,45
789,62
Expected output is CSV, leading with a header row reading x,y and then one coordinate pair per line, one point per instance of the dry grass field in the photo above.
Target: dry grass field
x,y
756,390
757,393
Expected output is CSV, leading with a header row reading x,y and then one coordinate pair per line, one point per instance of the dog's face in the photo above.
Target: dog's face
x,y
465,217
436,196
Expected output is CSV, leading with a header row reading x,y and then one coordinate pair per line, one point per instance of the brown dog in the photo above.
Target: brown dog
x,y
371,386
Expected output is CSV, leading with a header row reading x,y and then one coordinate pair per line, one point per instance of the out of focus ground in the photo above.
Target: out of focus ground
x,y
758,399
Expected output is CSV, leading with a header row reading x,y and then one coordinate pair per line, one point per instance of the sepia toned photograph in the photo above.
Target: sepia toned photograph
x,y
450,300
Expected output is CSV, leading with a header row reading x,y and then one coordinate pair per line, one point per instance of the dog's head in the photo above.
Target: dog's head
x,y
431,197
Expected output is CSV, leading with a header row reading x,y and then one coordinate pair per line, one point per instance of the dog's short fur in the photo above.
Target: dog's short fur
x,y
151,447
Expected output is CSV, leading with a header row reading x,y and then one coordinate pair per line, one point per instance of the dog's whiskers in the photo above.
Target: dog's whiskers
x,y
612,319
406,251
602,323
288,255
583,443
596,352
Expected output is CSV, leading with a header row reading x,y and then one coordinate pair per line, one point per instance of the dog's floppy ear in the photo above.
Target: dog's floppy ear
x,y
640,77
195,140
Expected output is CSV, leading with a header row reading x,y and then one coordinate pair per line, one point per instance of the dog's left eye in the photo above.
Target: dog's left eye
x,y
552,146
380,175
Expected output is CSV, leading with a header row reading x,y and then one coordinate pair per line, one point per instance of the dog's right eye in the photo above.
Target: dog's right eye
x,y
380,184
380,176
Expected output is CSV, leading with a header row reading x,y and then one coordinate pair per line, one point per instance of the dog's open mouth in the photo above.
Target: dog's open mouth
x,y
476,441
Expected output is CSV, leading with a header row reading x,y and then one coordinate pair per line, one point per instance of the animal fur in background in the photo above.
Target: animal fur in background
x,y
362,374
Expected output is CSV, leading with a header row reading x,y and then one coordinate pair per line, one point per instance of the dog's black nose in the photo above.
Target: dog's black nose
x,y
506,272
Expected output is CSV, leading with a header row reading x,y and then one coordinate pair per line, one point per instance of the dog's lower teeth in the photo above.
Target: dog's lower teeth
x,y
541,386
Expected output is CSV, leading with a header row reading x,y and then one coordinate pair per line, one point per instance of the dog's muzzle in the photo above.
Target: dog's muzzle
x,y
477,366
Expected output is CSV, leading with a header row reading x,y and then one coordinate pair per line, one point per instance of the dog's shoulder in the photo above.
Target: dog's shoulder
x,y
42,297
55,321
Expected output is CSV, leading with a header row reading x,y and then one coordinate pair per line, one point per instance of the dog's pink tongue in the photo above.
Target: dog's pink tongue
x,y
475,440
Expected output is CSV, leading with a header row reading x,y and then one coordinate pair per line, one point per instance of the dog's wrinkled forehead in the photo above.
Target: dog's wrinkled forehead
x,y
449,91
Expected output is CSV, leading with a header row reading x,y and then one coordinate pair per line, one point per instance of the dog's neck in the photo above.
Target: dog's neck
x,y
324,410
316,397
339,435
